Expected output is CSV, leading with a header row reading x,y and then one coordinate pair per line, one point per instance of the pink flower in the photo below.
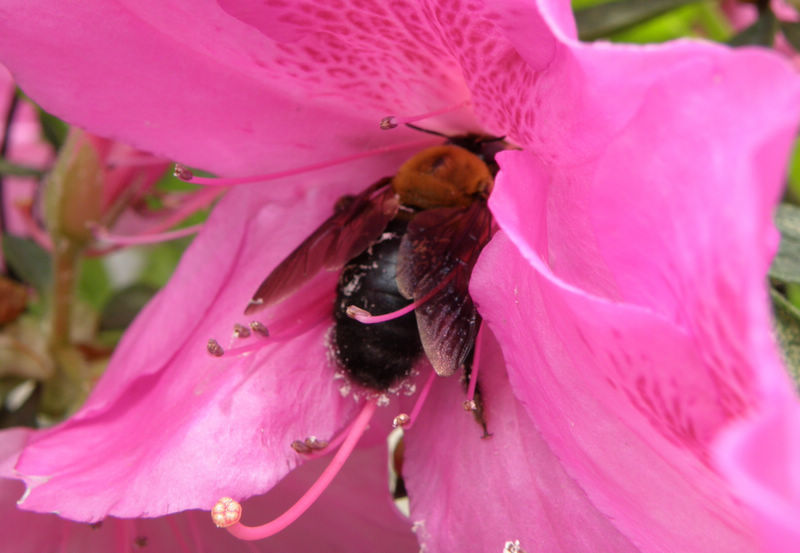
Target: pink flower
x,y
624,295
25,147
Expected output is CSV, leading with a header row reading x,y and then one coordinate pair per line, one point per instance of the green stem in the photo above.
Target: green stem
x,y
65,266
61,390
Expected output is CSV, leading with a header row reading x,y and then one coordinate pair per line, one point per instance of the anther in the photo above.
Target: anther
x,y
214,348
470,405
182,172
300,447
388,122
226,512
259,328
512,547
309,445
400,420
241,331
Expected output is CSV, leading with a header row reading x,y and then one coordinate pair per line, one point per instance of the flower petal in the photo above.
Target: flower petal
x,y
208,88
358,493
165,403
473,494
760,457
622,398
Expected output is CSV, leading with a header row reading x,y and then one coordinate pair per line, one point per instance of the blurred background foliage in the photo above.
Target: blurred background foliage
x,y
43,379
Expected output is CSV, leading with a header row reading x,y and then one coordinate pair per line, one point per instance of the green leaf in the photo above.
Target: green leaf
x,y
123,306
791,31
600,21
13,169
760,33
787,327
94,285
29,261
54,129
786,265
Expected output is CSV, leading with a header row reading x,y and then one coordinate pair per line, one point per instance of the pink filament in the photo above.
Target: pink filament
x,y
118,239
307,168
423,395
410,119
293,513
473,375
368,319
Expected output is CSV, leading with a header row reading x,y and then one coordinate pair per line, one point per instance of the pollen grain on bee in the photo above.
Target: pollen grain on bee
x,y
214,348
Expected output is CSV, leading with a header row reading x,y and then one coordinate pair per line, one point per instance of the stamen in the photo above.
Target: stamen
x,y
241,331
185,174
400,420
470,404
512,547
314,453
101,233
214,348
392,121
423,395
365,317
182,172
259,532
310,444
259,328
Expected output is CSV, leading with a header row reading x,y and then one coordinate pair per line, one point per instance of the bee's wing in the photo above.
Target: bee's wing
x,y
344,235
436,258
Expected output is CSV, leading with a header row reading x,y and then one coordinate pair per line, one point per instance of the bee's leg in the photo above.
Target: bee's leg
x,y
474,401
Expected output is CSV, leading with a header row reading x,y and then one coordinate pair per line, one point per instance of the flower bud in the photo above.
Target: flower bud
x,y
74,190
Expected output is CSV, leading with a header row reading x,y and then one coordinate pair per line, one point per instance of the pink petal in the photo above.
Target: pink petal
x,y
473,494
204,85
761,459
358,493
165,403
621,397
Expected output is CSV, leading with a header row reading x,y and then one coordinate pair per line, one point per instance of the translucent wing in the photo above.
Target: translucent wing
x,y
436,258
344,235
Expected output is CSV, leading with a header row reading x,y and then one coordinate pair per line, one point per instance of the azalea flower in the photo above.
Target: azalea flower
x,y
627,321
25,147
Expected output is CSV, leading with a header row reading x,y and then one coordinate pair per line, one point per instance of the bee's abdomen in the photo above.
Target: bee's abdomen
x,y
375,355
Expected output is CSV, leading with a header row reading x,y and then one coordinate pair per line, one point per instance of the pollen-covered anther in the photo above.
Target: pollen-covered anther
x,y
240,331
259,328
300,447
214,348
182,172
388,122
309,445
470,405
226,512
401,420
512,547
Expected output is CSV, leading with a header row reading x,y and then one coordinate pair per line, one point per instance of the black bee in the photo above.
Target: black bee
x,y
414,237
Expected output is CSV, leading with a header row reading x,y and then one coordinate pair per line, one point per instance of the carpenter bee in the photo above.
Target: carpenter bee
x,y
411,238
